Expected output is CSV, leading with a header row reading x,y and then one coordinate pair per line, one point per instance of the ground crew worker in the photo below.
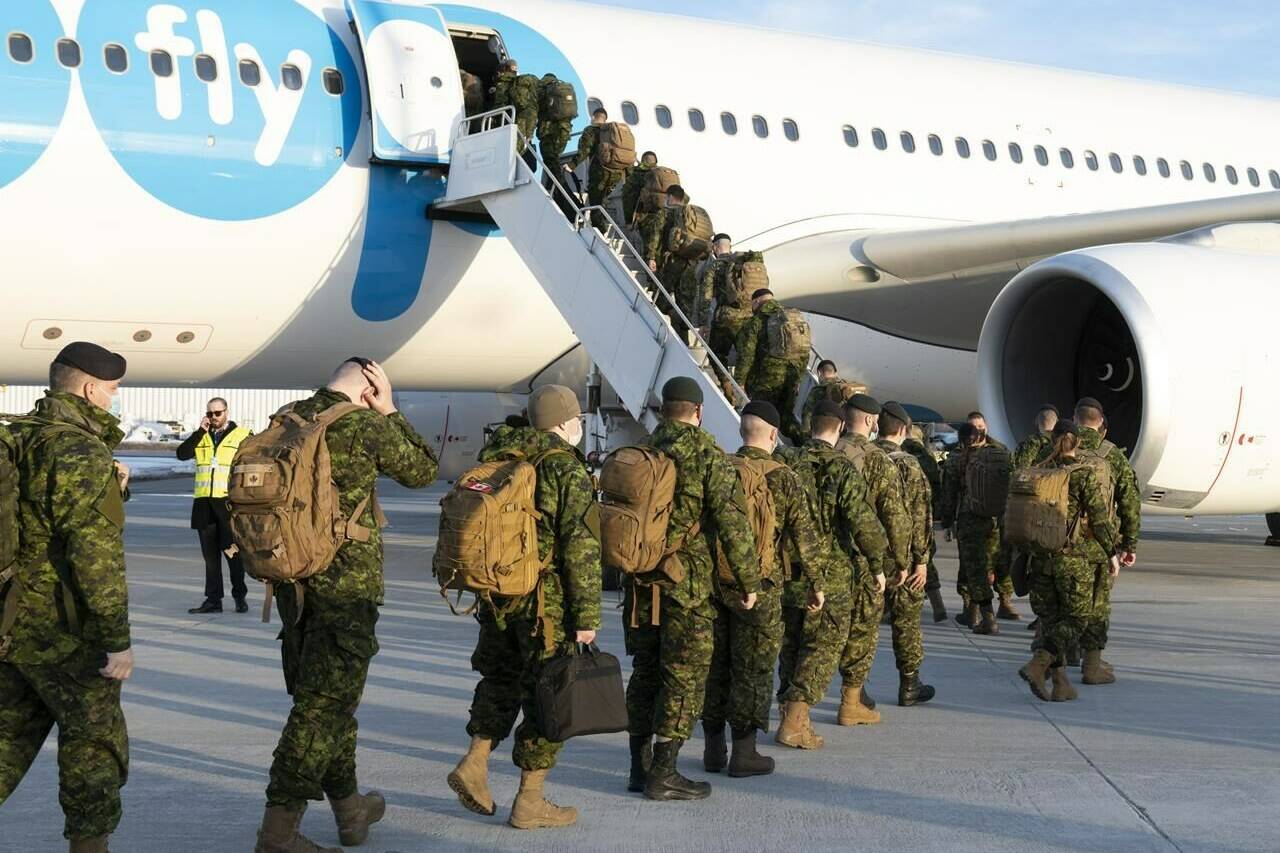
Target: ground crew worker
x,y
65,643
814,639
1038,445
328,638
669,632
553,134
914,444
600,181
905,594
886,500
1127,512
512,89
746,647
634,185
1066,590
513,648
213,446
761,375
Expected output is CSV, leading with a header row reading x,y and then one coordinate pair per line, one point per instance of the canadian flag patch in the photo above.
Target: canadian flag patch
x,y
480,487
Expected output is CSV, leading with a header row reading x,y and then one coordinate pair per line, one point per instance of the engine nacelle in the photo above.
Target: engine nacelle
x,y
1180,343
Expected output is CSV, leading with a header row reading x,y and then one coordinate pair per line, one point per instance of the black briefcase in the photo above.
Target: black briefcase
x,y
581,694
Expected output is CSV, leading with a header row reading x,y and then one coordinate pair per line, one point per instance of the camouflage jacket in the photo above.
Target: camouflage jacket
x,y
799,544
1128,499
521,92
715,276
652,226
753,346
631,189
932,472
1032,449
71,521
709,494
363,446
1095,539
917,499
569,529
884,495
816,395
586,144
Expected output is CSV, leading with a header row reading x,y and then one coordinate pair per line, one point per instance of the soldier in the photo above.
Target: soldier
x,y
654,230
512,648
761,375
978,537
328,644
914,444
730,311
856,547
886,501
905,596
1037,446
634,185
600,181
512,89
65,644
668,625
1066,590
553,134
827,377
747,644
1127,512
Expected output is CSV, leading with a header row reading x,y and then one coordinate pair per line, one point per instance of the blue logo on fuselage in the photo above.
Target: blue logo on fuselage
x,y
33,94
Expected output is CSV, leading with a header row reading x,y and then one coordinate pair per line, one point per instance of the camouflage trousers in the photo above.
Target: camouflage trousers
x,y
811,645
746,645
93,742
326,657
509,656
981,554
904,606
724,334
1094,636
669,663
553,136
600,182
1062,596
864,632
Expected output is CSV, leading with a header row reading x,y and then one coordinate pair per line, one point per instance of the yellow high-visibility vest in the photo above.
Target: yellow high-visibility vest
x,y
213,468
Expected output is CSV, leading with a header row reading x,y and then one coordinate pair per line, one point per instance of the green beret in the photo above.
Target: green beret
x,y
895,409
683,389
864,403
98,362
828,409
765,411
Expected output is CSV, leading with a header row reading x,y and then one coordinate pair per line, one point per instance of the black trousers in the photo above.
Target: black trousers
x,y
212,537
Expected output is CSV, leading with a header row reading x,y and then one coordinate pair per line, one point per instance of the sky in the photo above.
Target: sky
x,y
1222,44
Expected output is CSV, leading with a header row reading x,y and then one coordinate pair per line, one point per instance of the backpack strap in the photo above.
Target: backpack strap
x,y
9,615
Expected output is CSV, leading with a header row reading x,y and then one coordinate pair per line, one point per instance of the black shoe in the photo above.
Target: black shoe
x,y
715,752
242,606
207,607
988,624
641,759
746,760
665,782
911,691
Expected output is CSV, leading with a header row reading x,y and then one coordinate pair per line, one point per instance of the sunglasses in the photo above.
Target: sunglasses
x,y
215,414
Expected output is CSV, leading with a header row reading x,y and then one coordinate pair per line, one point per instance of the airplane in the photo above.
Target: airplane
x,y
234,192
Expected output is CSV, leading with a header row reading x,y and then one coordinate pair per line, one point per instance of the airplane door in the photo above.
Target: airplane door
x,y
415,92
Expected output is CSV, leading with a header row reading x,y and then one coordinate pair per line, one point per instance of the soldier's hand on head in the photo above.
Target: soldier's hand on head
x,y
880,582
119,665
378,394
1113,568
918,578
585,637
817,600
749,601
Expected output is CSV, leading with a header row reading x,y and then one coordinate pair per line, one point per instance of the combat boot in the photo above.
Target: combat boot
x,y
1007,611
715,752
937,605
969,617
746,760
279,833
90,845
911,691
355,814
665,781
866,699
1036,672
641,758
796,730
988,624
1062,689
1095,670
852,711
470,779
532,810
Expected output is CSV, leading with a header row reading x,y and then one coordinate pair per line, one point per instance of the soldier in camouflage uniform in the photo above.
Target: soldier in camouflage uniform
x,y
740,684
827,379
553,134
905,596
1039,444
1066,590
655,229
513,647
1003,579
886,501
727,316
328,638
761,375
512,89
65,643
634,185
669,621
978,539
856,547
600,181
914,444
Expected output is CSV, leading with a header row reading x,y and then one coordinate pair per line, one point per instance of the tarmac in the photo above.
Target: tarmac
x,y
1181,754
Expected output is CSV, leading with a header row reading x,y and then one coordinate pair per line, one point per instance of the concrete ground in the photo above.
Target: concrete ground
x,y
1181,754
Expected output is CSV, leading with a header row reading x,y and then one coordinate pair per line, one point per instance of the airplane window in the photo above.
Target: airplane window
x,y
1275,179
1187,171
20,48
729,122
696,120
908,142
69,53
206,67
1068,159
333,82
250,73
1015,152
291,77
630,114
962,148
1117,165
1210,173
1042,156
760,126
1091,160
116,58
878,137
1139,165
850,136
1162,166
989,150
935,144
593,104
1254,180
1233,177
791,130
162,63
663,115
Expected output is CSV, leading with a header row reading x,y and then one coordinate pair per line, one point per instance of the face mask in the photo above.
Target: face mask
x,y
575,433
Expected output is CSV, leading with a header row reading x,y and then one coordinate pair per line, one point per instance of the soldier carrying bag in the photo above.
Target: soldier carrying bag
x,y
657,181
581,694
558,101
1037,515
787,335
615,148
747,275
986,481
690,235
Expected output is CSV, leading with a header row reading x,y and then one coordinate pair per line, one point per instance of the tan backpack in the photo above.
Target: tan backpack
x,y
638,487
615,147
657,181
1037,512
761,512
488,542
747,275
690,235
788,336
986,481
840,391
